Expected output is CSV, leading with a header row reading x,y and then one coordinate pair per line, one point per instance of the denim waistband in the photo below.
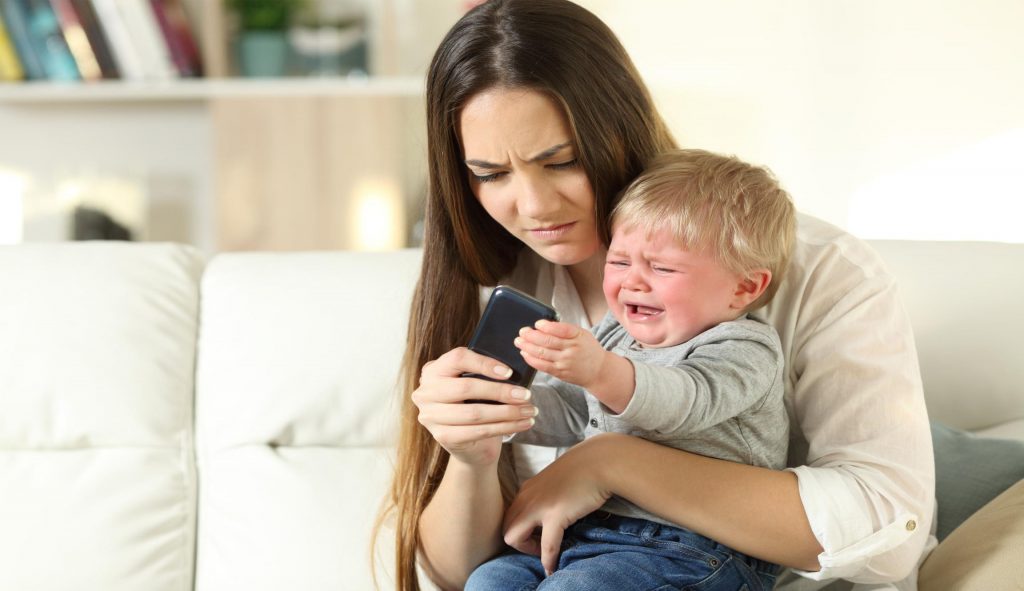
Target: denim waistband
x,y
652,529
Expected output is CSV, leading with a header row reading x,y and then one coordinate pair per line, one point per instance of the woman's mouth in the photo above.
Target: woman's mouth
x,y
553,232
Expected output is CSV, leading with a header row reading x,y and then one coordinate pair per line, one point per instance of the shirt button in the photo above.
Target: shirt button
x,y
911,525
593,423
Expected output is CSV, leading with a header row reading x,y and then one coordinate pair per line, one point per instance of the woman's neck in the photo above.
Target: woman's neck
x,y
587,277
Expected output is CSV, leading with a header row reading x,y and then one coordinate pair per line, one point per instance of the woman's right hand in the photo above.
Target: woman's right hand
x,y
471,432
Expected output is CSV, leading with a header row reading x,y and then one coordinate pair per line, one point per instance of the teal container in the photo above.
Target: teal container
x,y
263,54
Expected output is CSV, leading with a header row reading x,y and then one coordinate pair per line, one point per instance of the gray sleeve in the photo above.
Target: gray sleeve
x,y
718,380
561,414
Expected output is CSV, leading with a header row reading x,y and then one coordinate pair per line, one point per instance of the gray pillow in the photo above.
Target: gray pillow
x,y
970,471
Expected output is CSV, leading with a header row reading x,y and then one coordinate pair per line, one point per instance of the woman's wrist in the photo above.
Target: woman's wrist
x,y
605,453
474,465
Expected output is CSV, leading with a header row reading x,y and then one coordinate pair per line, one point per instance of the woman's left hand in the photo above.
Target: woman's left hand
x,y
567,490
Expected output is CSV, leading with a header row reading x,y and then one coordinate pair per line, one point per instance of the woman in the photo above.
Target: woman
x,y
536,120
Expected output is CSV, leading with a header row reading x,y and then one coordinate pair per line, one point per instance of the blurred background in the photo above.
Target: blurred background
x,y
298,124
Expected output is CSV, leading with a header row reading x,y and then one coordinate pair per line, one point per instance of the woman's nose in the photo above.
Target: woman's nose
x,y
536,199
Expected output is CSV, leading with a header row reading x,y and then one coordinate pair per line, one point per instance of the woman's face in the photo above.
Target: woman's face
x,y
522,165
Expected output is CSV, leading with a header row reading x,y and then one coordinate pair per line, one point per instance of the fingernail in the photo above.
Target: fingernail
x,y
520,394
517,342
503,371
522,331
528,411
540,323
527,423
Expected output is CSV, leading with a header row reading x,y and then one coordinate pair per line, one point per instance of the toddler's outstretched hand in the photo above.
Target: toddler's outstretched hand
x,y
573,355
563,350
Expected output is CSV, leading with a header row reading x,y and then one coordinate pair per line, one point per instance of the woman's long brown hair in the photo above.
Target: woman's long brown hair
x,y
551,46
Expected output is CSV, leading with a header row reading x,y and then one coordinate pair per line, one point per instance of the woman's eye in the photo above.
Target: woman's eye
x,y
564,165
486,178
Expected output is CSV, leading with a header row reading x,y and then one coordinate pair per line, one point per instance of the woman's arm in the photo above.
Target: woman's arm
x,y
460,526
754,510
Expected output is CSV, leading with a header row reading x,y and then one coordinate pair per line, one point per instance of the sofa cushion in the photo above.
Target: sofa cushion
x,y
984,553
970,471
97,350
295,410
963,306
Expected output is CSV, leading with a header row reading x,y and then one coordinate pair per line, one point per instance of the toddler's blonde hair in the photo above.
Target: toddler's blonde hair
x,y
715,204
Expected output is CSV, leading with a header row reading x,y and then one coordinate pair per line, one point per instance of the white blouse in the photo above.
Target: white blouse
x,y
860,444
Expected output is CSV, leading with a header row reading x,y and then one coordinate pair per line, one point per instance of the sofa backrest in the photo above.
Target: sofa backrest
x,y
295,412
97,480
964,303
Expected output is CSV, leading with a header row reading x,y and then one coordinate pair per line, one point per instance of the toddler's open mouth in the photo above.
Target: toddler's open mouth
x,y
636,310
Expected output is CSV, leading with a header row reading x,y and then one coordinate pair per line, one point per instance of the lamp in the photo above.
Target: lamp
x,y
378,222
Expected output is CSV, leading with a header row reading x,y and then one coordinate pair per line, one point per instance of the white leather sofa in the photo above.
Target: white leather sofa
x,y
170,423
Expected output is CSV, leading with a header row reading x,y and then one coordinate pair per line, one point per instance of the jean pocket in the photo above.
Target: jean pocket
x,y
686,544
760,575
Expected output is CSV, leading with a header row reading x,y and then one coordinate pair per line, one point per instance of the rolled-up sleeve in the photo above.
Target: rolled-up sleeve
x,y
853,549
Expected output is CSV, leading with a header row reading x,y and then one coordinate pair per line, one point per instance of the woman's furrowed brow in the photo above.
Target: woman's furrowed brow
x,y
543,155
550,152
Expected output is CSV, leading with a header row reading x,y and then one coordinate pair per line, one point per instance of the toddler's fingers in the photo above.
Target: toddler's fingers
x,y
537,363
541,340
562,330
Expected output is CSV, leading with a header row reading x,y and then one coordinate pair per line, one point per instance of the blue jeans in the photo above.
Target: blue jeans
x,y
605,551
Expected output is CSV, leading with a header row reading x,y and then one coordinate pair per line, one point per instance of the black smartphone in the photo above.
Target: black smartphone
x,y
506,313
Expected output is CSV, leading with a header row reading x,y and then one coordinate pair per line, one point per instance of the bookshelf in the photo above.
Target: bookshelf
x,y
204,89
243,163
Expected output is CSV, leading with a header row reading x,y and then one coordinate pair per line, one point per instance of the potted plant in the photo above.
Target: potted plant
x,y
262,40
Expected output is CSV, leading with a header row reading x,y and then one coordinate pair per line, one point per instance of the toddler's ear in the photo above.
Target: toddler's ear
x,y
750,287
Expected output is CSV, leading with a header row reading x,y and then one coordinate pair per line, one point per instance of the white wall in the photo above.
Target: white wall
x,y
893,119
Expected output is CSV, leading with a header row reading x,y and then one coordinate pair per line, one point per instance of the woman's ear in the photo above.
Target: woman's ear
x,y
750,287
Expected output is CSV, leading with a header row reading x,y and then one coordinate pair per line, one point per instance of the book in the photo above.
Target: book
x,y
148,40
174,24
10,66
212,26
97,38
115,28
17,28
47,39
76,39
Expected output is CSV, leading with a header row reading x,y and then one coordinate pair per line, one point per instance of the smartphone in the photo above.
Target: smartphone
x,y
506,313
